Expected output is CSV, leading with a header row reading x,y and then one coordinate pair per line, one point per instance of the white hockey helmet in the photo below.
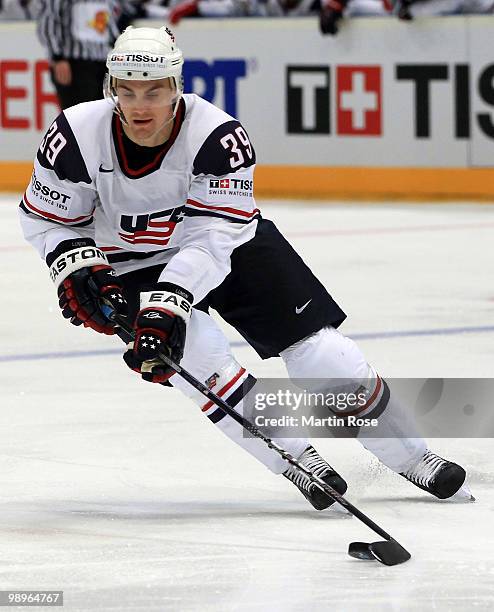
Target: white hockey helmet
x,y
144,54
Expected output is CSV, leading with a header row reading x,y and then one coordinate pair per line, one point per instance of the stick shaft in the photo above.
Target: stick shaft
x,y
251,428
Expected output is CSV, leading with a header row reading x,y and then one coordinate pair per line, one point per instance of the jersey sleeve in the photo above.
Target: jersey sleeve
x,y
220,212
59,201
223,176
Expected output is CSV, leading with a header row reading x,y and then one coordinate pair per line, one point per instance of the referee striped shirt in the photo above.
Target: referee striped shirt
x,y
78,29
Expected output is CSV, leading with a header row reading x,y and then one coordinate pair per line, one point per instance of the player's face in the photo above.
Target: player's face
x,y
148,109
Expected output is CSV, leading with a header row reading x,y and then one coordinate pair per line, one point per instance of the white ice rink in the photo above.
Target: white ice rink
x,y
125,497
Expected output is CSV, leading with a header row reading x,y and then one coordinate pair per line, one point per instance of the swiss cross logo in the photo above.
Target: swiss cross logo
x,y
358,97
356,102
219,184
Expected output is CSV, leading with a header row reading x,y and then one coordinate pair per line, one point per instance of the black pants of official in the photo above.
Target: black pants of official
x,y
86,85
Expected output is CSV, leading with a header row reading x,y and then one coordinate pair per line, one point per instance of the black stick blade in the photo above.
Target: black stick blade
x,y
388,552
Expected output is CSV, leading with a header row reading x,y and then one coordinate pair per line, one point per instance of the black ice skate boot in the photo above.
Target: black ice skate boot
x,y
442,478
313,461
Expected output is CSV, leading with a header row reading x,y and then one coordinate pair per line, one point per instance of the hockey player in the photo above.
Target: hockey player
x,y
145,201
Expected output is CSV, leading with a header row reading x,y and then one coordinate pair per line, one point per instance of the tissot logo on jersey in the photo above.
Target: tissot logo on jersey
x,y
50,195
223,184
231,186
153,228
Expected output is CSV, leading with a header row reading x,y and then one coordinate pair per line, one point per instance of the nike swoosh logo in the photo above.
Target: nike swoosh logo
x,y
101,169
299,310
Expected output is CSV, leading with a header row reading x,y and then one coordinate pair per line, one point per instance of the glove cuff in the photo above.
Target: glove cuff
x,y
170,297
166,286
72,255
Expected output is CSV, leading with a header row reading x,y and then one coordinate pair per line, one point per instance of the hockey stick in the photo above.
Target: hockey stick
x,y
388,552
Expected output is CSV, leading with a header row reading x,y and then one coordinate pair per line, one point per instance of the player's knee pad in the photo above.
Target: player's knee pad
x,y
325,354
328,362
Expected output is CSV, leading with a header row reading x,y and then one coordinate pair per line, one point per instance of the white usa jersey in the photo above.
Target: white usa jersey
x,y
188,208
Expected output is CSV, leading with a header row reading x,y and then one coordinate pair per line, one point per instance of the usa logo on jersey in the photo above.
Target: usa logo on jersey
x,y
153,228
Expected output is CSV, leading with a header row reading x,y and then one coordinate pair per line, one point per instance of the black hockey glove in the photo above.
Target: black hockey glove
x,y
331,12
85,281
160,327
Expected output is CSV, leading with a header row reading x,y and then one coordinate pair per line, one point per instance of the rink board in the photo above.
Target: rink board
x,y
386,109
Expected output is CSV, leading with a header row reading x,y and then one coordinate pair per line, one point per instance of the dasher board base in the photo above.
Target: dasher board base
x,y
342,183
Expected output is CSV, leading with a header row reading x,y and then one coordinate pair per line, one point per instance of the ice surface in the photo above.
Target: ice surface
x,y
125,497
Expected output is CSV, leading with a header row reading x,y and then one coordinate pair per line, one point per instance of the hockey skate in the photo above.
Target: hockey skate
x,y
442,478
311,459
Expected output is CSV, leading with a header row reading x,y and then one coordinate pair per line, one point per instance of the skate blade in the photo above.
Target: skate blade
x,y
462,496
338,511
